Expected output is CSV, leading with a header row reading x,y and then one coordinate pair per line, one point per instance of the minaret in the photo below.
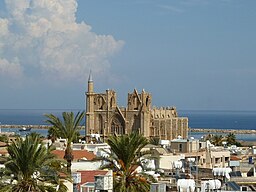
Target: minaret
x,y
89,107
90,83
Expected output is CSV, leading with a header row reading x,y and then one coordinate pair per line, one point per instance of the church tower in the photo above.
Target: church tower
x,y
89,107
145,112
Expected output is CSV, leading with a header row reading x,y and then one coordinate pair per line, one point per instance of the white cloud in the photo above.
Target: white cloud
x,y
4,27
11,69
44,35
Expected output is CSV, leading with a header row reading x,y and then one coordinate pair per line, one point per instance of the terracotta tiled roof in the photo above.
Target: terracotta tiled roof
x,y
88,176
3,144
3,151
234,158
78,154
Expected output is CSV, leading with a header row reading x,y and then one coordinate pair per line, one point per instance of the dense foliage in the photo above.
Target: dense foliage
x,y
68,129
124,158
31,167
154,140
218,140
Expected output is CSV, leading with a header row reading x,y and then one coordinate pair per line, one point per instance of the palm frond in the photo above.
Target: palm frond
x,y
67,128
32,166
124,158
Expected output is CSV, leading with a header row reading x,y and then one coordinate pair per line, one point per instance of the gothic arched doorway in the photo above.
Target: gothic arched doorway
x,y
117,125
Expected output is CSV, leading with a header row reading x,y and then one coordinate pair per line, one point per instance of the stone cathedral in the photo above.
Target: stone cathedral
x,y
105,117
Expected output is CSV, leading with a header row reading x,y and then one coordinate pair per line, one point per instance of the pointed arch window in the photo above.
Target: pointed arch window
x,y
101,125
117,125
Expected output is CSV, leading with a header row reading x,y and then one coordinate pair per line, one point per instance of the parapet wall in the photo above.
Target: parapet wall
x,y
164,112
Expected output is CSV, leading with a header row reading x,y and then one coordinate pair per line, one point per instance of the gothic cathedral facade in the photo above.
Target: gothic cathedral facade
x,y
105,117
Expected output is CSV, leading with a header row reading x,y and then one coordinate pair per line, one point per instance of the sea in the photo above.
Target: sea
x,y
197,119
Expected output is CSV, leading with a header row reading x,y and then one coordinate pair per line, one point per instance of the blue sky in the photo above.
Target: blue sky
x,y
192,54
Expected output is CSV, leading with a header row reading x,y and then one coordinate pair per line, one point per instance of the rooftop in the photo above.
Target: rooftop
x,y
88,176
78,154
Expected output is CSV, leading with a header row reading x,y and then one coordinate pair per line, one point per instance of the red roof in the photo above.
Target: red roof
x,y
3,144
3,151
234,158
88,176
78,154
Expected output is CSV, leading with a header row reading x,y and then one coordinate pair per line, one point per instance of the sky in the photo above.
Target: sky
x,y
192,54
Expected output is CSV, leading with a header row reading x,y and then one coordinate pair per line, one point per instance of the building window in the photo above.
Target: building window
x,y
152,133
117,125
180,147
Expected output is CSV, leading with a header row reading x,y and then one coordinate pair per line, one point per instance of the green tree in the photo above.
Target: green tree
x,y
53,134
154,140
66,128
208,137
4,138
31,167
124,157
217,140
231,139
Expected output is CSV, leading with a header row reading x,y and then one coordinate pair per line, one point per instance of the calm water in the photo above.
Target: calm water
x,y
197,119
221,119
28,116
43,132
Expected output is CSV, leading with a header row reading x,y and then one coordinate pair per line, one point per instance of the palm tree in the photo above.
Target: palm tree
x,y
154,140
68,129
4,138
217,140
32,167
53,134
231,139
124,157
208,137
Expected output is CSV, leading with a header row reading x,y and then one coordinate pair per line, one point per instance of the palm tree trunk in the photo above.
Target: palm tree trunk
x,y
69,158
69,166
